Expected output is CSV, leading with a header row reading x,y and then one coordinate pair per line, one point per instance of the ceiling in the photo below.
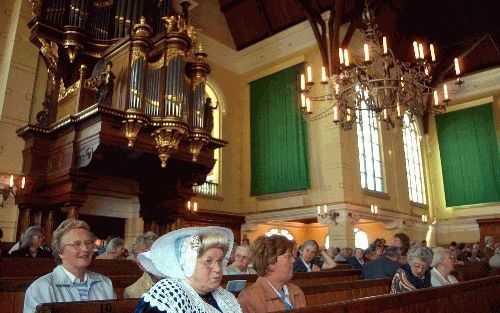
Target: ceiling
x,y
454,26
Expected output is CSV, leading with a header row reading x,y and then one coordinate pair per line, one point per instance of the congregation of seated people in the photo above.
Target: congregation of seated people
x,y
185,267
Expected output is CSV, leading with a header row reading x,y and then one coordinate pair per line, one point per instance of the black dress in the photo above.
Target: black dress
x,y
25,253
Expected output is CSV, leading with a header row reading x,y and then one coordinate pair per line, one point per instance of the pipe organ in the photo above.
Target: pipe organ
x,y
147,62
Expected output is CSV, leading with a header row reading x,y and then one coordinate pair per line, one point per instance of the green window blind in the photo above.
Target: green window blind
x,y
469,156
278,135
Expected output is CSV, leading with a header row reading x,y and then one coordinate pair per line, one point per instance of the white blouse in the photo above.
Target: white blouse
x,y
437,279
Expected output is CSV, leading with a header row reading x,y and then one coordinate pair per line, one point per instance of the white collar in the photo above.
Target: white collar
x,y
441,277
73,278
308,265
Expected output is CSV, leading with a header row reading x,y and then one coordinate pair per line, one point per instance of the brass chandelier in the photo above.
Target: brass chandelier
x,y
381,84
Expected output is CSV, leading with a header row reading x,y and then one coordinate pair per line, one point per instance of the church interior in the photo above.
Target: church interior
x,y
156,115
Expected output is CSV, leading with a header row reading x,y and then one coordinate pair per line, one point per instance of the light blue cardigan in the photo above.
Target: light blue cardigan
x,y
57,287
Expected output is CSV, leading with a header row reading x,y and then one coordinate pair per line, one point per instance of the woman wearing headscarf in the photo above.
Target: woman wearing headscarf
x,y
31,244
272,258
193,260
415,274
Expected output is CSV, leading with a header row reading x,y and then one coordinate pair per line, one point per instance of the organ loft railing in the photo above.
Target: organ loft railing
x,y
146,61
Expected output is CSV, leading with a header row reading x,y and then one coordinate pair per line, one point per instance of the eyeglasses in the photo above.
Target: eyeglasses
x,y
210,263
78,245
419,266
239,256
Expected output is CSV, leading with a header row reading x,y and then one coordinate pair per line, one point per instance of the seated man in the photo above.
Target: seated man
x,y
357,261
385,266
304,263
73,244
141,244
241,261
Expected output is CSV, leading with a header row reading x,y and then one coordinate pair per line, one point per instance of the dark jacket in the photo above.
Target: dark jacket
x,y
24,253
299,266
354,262
380,268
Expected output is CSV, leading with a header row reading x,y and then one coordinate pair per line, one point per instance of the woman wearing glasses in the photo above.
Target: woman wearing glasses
x,y
273,259
31,244
73,245
193,259
416,274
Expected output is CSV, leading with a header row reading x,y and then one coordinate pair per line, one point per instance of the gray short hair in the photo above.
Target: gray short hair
x,y
212,240
63,229
114,244
27,237
144,241
497,251
242,247
309,243
439,254
420,252
488,239
392,251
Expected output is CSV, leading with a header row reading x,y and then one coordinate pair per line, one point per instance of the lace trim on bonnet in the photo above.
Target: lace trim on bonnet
x,y
177,296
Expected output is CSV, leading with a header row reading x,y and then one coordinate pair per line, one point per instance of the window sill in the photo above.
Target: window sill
x,y
282,194
378,194
419,205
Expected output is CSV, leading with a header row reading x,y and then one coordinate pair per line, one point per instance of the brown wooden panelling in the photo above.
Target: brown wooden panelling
x,y
489,227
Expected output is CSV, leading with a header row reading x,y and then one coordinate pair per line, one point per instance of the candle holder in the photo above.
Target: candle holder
x,y
328,214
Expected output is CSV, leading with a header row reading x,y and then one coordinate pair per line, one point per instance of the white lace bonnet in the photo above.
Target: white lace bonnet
x,y
174,254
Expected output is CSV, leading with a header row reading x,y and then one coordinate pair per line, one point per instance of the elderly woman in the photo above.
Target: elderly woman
x,y
240,266
415,274
31,244
273,260
115,249
307,254
141,244
193,259
442,264
494,261
73,244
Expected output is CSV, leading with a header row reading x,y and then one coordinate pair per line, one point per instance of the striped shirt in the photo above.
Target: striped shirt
x,y
82,287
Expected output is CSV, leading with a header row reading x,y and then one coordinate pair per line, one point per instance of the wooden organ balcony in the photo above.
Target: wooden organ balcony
x,y
144,99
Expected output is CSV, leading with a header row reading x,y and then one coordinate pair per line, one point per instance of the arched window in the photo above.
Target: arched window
x,y
211,186
413,157
370,164
360,239
282,232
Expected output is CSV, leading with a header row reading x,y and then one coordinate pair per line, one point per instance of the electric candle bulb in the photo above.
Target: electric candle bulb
x,y
189,205
302,100
367,53
341,56
302,82
337,88
445,89
348,115
319,210
23,182
421,51
436,100
415,49
11,181
385,114
323,74
398,109
335,114
384,42
324,209
346,57
457,67
195,208
309,74
308,105
433,54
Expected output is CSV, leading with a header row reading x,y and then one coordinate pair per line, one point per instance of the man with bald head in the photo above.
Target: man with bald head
x,y
241,260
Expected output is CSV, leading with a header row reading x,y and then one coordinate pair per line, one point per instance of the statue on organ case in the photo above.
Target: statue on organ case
x,y
105,85
209,115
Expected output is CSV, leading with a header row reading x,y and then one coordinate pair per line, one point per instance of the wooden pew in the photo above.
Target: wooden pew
x,y
471,271
474,296
27,267
314,294
306,279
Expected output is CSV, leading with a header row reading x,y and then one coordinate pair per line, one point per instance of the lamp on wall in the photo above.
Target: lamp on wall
x,y
10,188
381,84
374,209
328,213
194,208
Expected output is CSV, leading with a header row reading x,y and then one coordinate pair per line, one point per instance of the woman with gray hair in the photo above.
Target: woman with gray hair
x,y
115,249
73,245
415,274
442,264
31,244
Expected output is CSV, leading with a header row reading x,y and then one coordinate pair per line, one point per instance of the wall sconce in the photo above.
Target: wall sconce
x,y
374,209
424,218
10,189
328,213
195,206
